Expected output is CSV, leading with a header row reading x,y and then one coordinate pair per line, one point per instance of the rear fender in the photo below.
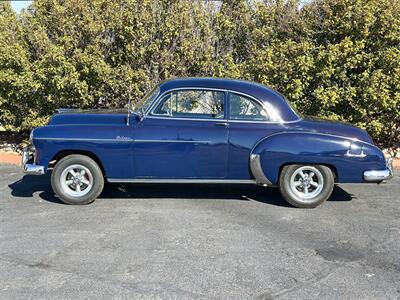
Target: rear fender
x,y
349,157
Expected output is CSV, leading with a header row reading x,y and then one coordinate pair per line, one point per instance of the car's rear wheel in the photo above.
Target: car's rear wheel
x,y
306,186
77,179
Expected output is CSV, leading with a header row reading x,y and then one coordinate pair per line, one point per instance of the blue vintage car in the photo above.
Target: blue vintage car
x,y
203,130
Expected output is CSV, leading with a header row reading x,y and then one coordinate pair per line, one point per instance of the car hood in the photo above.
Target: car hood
x,y
338,128
94,116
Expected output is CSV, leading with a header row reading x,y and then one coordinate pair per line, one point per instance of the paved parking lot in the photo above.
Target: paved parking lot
x,y
202,242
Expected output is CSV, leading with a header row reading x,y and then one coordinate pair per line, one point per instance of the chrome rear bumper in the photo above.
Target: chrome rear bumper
x,y
27,164
380,175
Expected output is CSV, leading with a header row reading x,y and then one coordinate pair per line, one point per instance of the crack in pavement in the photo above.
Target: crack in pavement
x,y
314,279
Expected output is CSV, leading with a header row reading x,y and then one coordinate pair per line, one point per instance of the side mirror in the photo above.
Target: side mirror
x,y
133,117
138,118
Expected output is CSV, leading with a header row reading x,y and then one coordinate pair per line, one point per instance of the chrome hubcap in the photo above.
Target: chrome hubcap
x,y
76,180
307,182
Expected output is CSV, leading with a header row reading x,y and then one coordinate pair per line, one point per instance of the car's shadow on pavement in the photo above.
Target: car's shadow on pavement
x,y
40,185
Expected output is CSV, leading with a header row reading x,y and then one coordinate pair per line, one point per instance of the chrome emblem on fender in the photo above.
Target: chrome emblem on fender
x,y
122,138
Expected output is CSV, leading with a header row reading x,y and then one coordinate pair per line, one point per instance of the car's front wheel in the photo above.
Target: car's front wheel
x,y
77,179
306,186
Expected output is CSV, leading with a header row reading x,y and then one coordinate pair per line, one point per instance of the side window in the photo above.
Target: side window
x,y
244,108
200,104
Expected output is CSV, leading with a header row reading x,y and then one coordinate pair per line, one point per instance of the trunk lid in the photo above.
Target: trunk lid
x,y
339,128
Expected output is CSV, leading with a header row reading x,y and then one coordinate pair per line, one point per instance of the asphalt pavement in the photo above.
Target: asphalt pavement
x,y
197,242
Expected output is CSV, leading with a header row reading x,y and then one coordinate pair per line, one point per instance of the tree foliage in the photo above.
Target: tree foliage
x,y
338,59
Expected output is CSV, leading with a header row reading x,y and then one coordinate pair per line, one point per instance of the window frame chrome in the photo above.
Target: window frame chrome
x,y
262,104
276,120
160,98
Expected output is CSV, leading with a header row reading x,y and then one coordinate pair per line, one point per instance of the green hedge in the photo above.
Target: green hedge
x,y
332,58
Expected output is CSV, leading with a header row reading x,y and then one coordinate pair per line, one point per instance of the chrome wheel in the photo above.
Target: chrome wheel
x,y
306,183
76,180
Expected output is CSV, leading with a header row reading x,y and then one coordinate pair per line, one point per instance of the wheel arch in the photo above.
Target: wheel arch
x,y
304,148
63,153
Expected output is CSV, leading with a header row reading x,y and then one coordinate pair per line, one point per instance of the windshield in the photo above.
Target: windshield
x,y
141,106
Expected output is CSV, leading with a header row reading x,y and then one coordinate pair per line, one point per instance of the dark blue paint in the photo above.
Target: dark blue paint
x,y
207,149
314,148
177,152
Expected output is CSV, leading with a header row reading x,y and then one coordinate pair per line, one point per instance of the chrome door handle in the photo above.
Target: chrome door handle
x,y
222,124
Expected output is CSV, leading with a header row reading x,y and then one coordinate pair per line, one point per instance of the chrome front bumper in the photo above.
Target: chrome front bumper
x,y
27,163
380,175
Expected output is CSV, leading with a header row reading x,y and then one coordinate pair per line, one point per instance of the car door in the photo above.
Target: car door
x,y
249,122
184,135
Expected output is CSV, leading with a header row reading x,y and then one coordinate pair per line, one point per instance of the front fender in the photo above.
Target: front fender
x,y
111,144
349,157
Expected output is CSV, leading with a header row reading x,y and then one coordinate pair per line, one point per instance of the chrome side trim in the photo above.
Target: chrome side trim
x,y
185,119
262,122
189,180
121,140
256,170
84,139
171,141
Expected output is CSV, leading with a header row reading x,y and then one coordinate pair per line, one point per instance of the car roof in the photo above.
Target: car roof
x,y
253,89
